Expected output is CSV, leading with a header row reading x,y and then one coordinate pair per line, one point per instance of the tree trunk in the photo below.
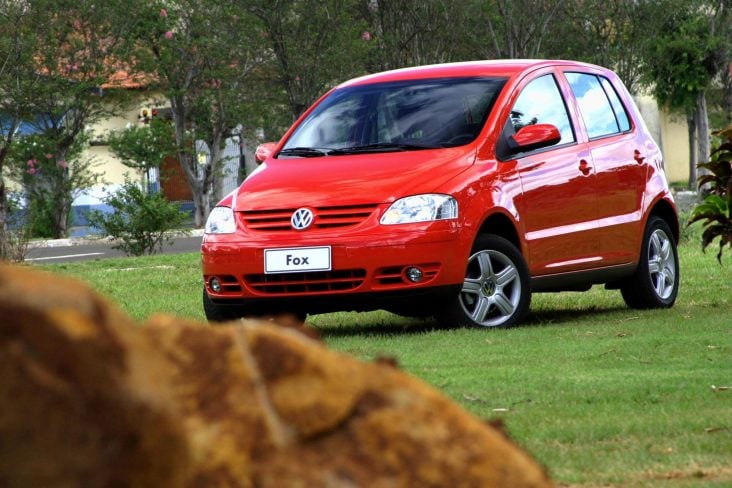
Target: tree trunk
x,y
701,118
3,221
727,90
692,152
63,202
702,129
188,162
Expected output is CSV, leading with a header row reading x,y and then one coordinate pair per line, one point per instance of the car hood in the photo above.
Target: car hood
x,y
350,180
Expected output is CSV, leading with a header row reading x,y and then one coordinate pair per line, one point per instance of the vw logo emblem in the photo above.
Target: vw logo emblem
x,y
302,218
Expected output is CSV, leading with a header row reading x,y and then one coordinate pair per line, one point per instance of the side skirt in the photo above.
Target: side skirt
x,y
582,280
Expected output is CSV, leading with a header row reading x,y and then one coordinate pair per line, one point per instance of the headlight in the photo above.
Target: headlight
x,y
421,208
220,221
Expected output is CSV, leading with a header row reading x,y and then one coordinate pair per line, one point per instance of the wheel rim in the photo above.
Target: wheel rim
x,y
492,288
661,264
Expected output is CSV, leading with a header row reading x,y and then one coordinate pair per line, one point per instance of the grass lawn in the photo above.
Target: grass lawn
x,y
600,394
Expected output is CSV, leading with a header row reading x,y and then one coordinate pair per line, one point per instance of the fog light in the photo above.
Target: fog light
x,y
414,274
215,284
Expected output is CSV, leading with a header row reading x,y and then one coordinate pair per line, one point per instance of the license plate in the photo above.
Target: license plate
x,y
295,259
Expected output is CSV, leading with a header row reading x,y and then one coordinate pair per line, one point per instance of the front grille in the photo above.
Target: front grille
x,y
313,282
324,218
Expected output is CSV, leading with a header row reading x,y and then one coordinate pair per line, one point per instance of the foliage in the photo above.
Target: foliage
x,y
511,33
18,81
50,180
15,236
315,43
684,56
56,58
205,56
141,221
143,147
716,209
608,33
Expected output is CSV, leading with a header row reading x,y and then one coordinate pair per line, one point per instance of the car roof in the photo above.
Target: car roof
x,y
504,68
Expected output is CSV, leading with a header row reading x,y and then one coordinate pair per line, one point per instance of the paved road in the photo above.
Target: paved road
x,y
100,250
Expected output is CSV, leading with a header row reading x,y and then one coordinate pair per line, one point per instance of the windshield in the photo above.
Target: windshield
x,y
398,116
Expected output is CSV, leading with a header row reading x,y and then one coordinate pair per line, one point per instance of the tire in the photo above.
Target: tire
x,y
496,290
216,313
655,283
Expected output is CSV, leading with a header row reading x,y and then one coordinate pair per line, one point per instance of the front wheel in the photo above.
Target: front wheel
x,y
216,313
495,291
655,282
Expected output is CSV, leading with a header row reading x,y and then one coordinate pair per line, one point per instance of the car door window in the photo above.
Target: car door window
x,y
620,114
600,107
540,102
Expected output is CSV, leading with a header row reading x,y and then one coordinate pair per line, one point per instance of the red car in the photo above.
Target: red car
x,y
452,190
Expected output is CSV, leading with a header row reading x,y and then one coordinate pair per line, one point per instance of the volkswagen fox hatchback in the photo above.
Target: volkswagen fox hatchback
x,y
453,190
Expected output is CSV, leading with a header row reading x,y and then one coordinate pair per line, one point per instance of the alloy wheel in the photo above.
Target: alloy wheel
x,y
492,288
661,264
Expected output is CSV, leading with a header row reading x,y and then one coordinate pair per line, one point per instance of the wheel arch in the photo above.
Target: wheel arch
x,y
666,211
501,225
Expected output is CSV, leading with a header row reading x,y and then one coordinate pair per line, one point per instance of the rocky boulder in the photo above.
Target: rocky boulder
x,y
90,398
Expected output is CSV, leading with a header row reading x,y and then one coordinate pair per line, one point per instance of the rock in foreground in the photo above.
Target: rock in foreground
x,y
90,398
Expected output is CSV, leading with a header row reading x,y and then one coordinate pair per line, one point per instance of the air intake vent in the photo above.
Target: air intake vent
x,y
304,283
325,218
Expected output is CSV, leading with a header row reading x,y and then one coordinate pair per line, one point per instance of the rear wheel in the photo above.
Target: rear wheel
x,y
655,283
496,289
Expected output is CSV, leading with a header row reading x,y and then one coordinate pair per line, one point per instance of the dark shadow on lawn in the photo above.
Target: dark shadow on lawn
x,y
406,325
399,326
562,316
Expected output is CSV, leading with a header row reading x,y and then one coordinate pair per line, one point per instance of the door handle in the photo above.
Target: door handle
x,y
584,167
637,156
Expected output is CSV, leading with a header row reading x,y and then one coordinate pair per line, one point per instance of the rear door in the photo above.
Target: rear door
x,y
617,152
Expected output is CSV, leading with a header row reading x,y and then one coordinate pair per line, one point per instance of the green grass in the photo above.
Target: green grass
x,y
601,394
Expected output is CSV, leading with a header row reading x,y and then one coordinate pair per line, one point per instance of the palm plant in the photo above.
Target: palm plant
x,y
716,209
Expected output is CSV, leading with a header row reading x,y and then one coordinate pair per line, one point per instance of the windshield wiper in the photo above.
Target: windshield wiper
x,y
382,147
305,152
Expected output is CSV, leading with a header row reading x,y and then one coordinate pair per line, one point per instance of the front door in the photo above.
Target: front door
x,y
557,206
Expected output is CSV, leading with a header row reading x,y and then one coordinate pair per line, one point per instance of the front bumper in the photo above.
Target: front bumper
x,y
367,271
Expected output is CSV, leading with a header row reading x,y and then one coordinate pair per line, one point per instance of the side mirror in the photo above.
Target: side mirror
x,y
535,136
264,151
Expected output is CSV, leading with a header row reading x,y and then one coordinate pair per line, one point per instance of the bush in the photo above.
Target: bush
x,y
140,221
716,209
51,177
15,236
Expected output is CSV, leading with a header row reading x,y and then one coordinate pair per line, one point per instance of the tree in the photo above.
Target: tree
x,y
204,56
609,33
17,81
512,29
683,61
315,44
50,181
144,147
408,33
65,53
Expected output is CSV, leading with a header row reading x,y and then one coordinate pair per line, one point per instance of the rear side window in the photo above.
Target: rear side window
x,y
620,114
540,102
599,105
